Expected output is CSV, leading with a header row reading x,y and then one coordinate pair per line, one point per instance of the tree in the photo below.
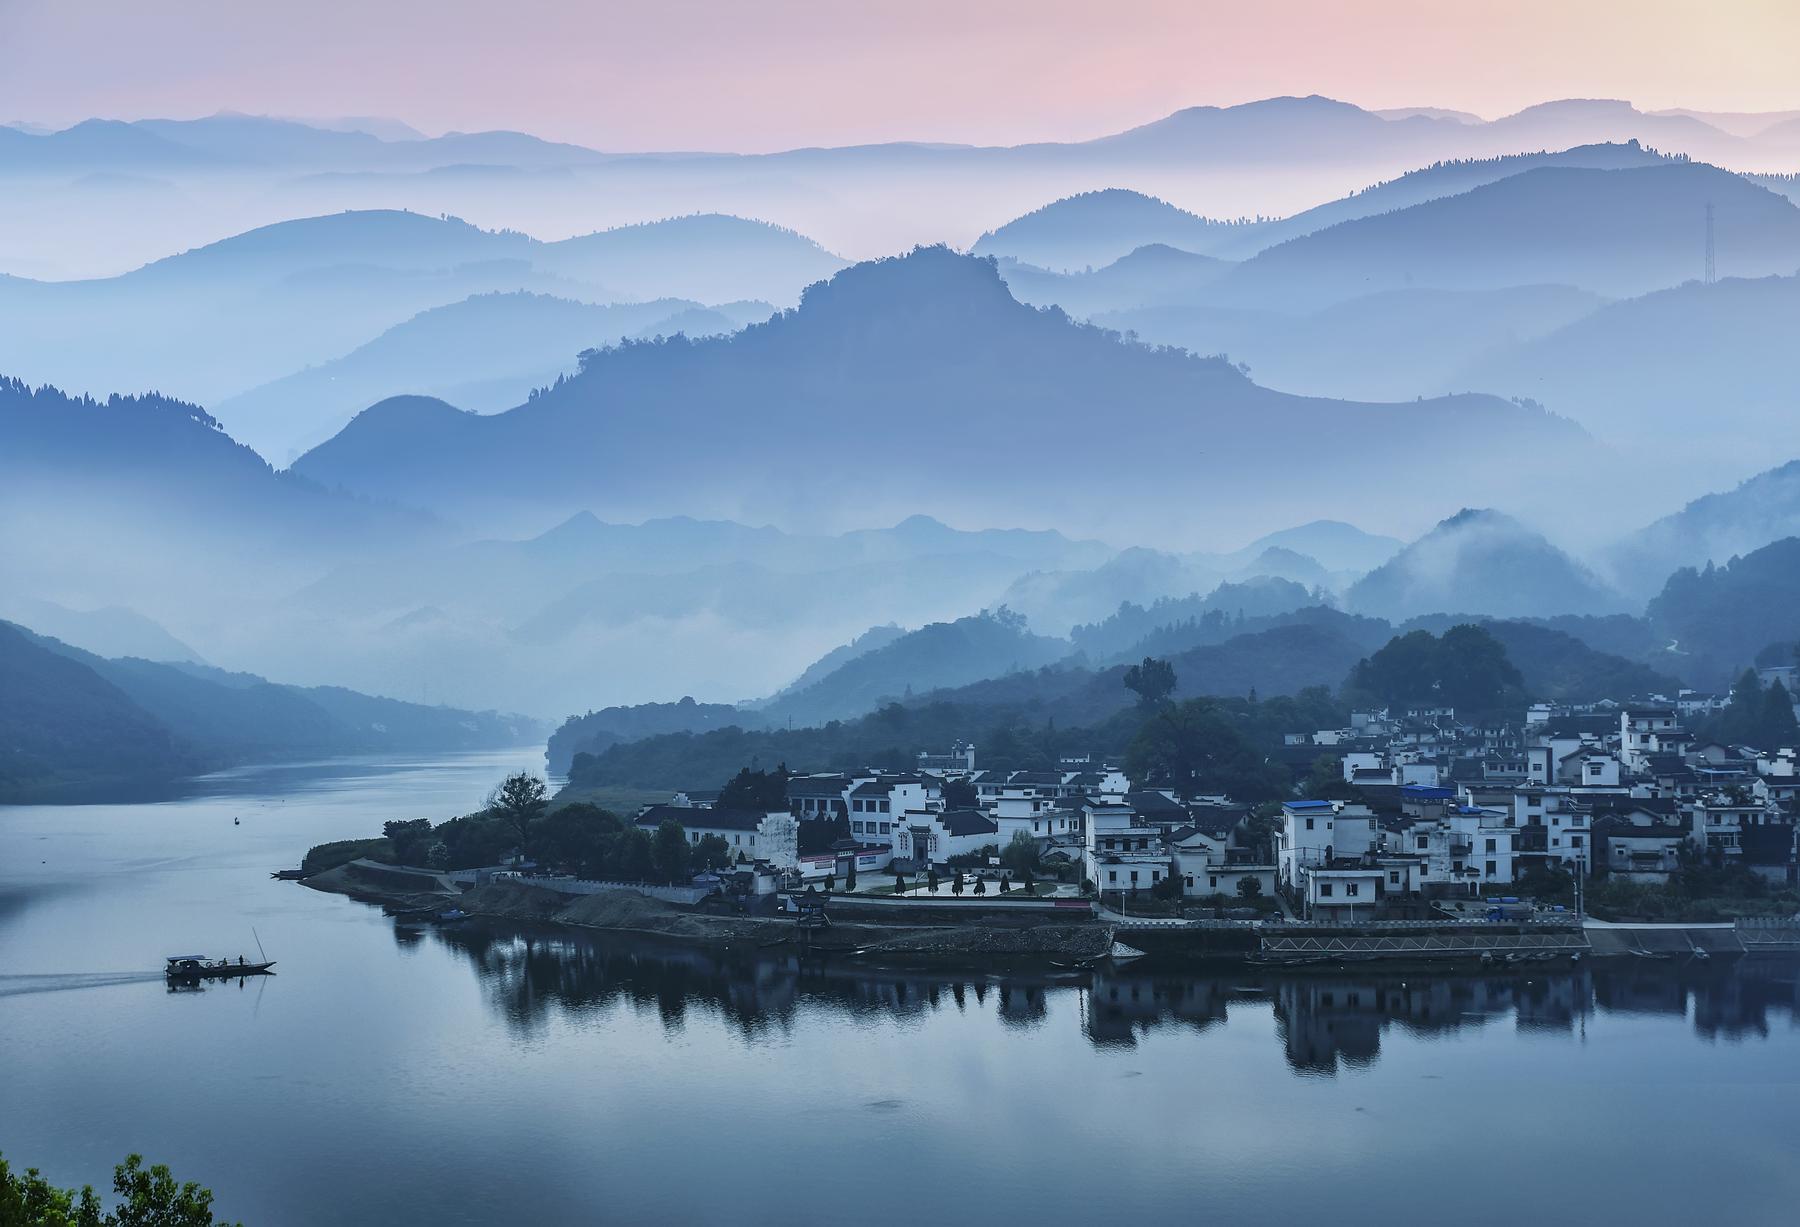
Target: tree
x,y
932,880
1029,882
1778,727
960,794
850,876
1249,887
899,882
519,802
637,856
757,791
581,838
1020,854
980,885
671,852
1193,747
1467,669
147,1198
956,884
1153,681
712,852
412,839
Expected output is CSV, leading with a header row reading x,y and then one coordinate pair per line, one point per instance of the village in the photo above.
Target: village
x,y
1434,819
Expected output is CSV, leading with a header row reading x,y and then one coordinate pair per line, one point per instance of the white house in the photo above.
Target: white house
x,y
931,837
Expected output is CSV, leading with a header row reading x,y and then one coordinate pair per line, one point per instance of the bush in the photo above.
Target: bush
x,y
342,852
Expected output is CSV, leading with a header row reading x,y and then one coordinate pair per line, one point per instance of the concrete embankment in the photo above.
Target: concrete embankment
x,y
624,911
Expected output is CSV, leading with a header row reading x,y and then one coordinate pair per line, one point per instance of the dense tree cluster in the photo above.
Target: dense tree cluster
x,y
1465,668
148,1197
1758,715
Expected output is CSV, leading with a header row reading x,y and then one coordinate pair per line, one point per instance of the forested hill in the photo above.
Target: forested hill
x,y
68,732
1080,709
924,346
77,724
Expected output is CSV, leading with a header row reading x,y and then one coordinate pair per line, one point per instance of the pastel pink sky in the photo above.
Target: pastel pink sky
x,y
769,74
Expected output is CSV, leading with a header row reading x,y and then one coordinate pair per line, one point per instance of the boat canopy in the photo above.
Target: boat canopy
x,y
187,958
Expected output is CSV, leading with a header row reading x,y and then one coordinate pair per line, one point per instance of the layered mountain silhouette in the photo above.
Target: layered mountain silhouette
x,y
81,724
1093,229
1152,276
1388,345
1710,530
1614,232
1481,562
221,319
1702,367
485,353
923,351
934,657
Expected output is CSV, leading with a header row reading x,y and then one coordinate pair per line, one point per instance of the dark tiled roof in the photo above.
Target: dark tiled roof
x,y
1217,821
817,786
968,822
701,819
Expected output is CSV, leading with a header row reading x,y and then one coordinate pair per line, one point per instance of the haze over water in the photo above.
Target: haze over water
x,y
474,1075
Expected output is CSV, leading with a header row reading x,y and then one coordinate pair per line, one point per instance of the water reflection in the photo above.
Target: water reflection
x,y
1325,1022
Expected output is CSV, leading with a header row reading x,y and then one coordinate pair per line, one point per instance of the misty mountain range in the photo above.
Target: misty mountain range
x,y
221,320
640,462
663,428
862,200
78,725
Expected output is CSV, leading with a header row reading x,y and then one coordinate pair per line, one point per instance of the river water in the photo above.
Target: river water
x,y
390,1075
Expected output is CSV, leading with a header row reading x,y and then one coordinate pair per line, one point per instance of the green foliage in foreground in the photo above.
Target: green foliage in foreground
x,y
1696,893
148,1197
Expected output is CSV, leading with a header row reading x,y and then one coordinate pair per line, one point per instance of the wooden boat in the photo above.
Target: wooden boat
x,y
287,875
199,967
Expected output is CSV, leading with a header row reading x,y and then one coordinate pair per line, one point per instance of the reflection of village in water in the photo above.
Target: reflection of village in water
x,y
1326,1021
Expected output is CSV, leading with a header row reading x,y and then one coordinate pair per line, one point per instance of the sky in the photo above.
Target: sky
x,y
753,75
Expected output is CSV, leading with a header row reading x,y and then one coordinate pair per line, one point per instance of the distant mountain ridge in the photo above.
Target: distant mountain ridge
x,y
233,315
154,721
677,416
1483,562
1711,530
483,353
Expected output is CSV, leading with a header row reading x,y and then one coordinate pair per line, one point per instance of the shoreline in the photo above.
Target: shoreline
x,y
998,946
988,943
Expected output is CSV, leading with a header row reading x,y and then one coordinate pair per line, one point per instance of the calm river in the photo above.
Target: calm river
x,y
496,1075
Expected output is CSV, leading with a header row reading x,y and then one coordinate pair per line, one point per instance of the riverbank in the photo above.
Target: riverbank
x,y
998,946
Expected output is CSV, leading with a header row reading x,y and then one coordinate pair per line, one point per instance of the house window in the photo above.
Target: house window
x,y
1352,888
886,827
1574,841
1393,877
1309,824
1492,869
1112,875
737,839
1493,845
1423,843
1212,880
1324,890
1188,881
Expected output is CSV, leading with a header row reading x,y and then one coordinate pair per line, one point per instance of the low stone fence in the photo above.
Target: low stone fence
x,y
687,896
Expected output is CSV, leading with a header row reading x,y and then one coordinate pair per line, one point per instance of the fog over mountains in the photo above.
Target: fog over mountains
x,y
838,383
1286,376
